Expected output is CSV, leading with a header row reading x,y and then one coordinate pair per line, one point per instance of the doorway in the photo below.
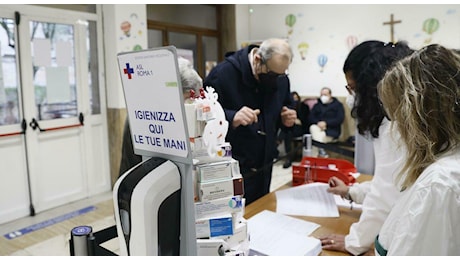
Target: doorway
x,y
53,128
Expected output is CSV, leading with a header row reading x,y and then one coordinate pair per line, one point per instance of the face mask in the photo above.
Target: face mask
x,y
268,81
324,99
351,100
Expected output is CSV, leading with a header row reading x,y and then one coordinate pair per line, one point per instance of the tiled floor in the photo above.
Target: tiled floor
x,y
54,240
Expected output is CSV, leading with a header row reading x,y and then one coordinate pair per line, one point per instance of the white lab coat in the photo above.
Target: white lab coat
x,y
426,220
364,154
359,191
389,159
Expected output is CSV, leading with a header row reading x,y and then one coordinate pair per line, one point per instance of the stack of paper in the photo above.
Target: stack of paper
x,y
276,234
307,200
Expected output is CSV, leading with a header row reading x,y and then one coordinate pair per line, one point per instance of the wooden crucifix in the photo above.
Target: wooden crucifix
x,y
392,23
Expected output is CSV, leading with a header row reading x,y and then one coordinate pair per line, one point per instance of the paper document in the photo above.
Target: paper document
x,y
307,200
275,234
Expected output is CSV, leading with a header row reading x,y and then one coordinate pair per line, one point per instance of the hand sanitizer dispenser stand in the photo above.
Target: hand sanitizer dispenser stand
x,y
154,201
147,209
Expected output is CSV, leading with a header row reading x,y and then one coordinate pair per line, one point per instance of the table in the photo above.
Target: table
x,y
340,225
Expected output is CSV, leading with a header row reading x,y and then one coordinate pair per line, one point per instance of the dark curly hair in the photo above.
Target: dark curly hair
x,y
368,63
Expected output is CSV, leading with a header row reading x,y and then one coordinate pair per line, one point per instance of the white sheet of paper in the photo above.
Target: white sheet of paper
x,y
57,84
42,52
307,200
64,54
275,234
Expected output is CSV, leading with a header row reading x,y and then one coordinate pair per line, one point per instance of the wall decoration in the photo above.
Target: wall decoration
x,y
335,31
132,31
352,41
322,60
391,23
125,26
451,11
430,26
303,48
290,21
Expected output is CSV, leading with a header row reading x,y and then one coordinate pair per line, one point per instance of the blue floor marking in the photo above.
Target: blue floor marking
x,y
46,223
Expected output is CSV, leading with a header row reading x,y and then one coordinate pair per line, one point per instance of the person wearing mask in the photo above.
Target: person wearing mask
x,y
364,67
254,91
190,81
299,129
420,95
326,117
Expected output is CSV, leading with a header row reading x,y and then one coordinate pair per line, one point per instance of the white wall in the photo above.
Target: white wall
x,y
116,41
242,24
325,29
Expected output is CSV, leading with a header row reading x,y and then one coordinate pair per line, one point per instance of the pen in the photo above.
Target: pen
x,y
261,132
331,183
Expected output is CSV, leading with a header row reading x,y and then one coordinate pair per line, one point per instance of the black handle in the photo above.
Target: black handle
x,y
34,125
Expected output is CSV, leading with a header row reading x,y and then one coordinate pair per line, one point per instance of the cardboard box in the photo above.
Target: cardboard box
x,y
217,207
220,189
240,234
211,247
214,171
217,170
200,152
195,127
214,226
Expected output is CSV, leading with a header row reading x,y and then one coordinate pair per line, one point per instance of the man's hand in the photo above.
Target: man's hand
x,y
322,125
245,116
288,116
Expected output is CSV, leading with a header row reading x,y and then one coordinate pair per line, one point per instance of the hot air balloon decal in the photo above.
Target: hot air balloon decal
x,y
352,41
430,26
322,60
290,21
303,48
125,26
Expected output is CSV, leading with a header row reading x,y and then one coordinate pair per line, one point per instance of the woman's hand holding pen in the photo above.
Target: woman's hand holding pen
x,y
338,187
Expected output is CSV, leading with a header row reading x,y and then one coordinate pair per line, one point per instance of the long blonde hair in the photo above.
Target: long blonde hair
x,y
422,94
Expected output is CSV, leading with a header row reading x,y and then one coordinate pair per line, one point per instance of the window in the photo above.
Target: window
x,y
189,27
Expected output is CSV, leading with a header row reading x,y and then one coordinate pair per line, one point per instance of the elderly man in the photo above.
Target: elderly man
x,y
254,91
326,117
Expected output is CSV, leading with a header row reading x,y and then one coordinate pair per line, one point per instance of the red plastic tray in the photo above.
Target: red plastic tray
x,y
313,169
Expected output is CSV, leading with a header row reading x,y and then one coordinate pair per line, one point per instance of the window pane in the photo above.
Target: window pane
x,y
93,68
210,53
155,38
54,70
203,16
9,105
184,41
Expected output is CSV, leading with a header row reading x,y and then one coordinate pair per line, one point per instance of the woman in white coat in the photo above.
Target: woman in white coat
x,y
422,95
364,67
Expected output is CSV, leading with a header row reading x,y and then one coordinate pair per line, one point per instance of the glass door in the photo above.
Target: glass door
x,y
53,128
